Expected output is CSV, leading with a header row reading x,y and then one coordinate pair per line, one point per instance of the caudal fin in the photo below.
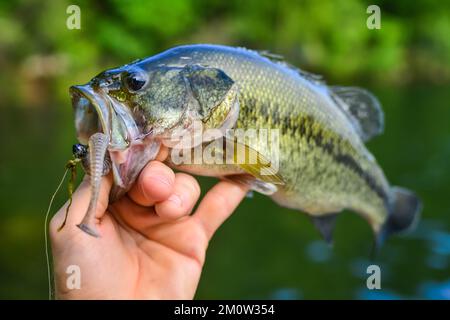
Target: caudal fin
x,y
403,214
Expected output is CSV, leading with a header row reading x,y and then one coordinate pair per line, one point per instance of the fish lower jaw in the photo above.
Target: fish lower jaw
x,y
126,164
119,156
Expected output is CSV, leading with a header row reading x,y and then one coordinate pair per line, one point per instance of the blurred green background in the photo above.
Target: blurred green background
x,y
263,251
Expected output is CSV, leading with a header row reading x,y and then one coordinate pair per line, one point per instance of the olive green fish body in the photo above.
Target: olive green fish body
x,y
322,160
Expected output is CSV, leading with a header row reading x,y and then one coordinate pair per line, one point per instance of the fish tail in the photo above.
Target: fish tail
x,y
404,212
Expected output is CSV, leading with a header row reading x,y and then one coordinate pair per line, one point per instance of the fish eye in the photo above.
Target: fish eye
x,y
135,81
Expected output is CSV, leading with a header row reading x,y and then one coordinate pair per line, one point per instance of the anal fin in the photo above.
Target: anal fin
x,y
325,224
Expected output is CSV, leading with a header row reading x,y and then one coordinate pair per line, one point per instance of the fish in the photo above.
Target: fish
x,y
321,165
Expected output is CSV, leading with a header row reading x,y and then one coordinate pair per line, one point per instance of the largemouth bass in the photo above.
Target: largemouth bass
x,y
323,167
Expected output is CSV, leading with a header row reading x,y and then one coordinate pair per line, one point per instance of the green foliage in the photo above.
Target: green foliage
x,y
329,37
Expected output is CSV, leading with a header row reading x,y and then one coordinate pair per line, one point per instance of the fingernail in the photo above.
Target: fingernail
x,y
175,199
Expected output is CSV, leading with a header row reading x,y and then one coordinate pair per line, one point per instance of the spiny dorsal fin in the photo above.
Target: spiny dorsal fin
x,y
270,55
325,224
362,108
279,59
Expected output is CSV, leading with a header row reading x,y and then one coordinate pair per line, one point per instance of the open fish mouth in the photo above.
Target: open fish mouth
x,y
91,112
98,112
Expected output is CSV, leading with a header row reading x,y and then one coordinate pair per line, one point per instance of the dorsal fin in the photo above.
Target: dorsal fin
x,y
279,59
270,55
362,108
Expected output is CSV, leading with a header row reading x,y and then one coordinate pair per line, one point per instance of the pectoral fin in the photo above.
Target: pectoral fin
x,y
256,164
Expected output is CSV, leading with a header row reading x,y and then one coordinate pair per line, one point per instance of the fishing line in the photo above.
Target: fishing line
x,y
47,255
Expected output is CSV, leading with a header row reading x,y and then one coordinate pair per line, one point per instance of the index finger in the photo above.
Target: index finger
x,y
218,204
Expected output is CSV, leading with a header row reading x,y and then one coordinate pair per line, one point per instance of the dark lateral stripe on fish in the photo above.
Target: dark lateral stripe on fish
x,y
308,128
317,135
350,163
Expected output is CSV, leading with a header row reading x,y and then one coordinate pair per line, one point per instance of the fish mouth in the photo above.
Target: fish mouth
x,y
97,112
91,112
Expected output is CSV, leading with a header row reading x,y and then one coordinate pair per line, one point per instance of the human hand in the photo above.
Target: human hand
x,y
151,246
